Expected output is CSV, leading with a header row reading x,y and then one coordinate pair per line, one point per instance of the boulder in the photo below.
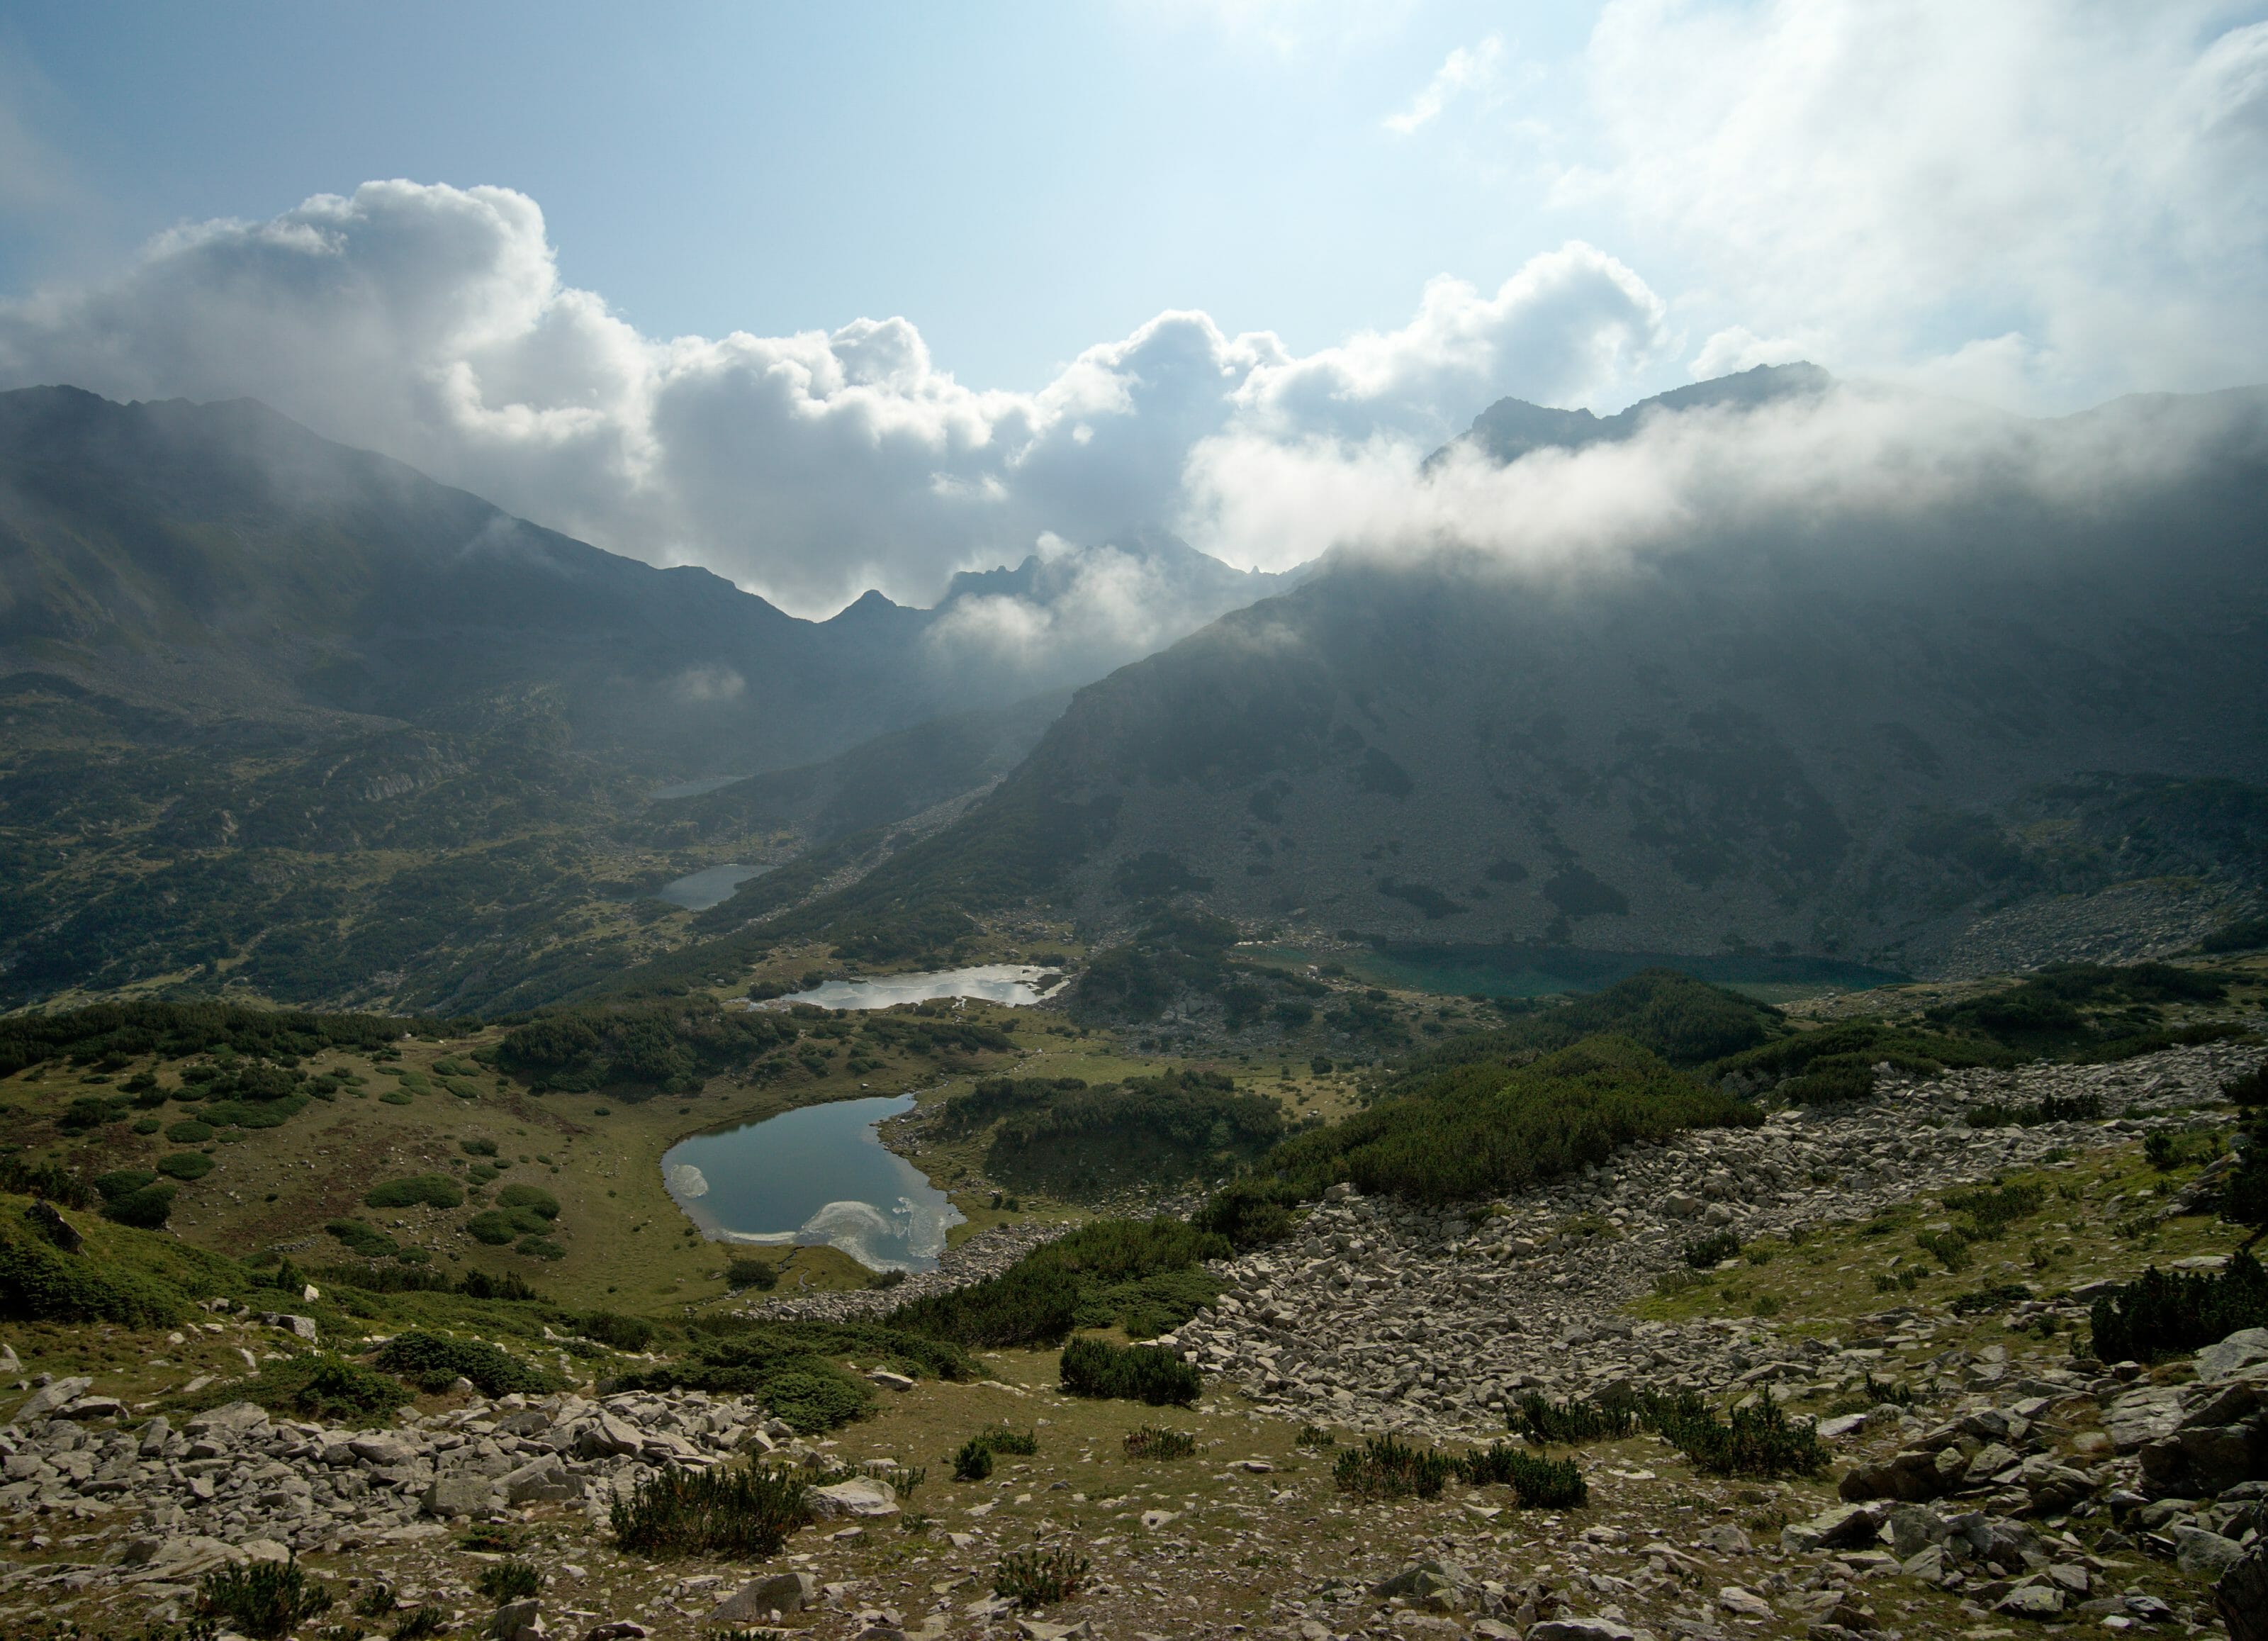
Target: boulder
x,y
2031,1600
1914,1528
2144,1416
756,1601
2241,1595
2217,1364
1580,1630
2198,1460
518,1620
606,1437
1744,1603
1438,1587
47,1398
379,1448
234,1418
2205,1554
544,1481
458,1493
860,1496
1842,1527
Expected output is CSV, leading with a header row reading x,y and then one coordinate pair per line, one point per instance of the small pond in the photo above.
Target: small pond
x,y
1016,983
813,1176
712,886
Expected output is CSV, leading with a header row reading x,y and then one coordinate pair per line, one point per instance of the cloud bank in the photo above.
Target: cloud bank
x,y
2025,202
430,322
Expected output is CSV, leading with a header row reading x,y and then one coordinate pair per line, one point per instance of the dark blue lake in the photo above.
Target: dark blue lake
x,y
818,1175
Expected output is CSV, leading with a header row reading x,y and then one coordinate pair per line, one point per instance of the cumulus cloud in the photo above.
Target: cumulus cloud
x,y
1466,68
2080,191
430,322
1852,453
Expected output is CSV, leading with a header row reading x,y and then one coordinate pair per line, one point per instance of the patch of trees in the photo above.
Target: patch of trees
x,y
1061,1134
1483,1128
115,1032
1145,1276
935,1031
647,1045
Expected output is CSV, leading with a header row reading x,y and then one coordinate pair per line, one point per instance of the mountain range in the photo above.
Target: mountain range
x,y
1857,732
291,718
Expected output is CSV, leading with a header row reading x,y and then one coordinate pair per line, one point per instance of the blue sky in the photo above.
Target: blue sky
x,y
1019,180
831,297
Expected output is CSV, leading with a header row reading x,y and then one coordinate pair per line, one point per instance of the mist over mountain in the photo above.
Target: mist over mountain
x,y
221,560
283,715
1823,672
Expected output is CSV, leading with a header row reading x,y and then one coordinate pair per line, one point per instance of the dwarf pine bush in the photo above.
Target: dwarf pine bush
x,y
743,1512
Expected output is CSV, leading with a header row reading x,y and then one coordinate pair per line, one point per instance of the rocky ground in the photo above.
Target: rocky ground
x,y
986,1254
1388,1317
1987,1476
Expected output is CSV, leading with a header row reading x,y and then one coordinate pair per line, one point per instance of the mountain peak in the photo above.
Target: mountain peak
x,y
1511,428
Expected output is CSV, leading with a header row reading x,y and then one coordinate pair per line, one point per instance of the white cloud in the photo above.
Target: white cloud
x,y
1897,183
1854,454
1466,68
430,322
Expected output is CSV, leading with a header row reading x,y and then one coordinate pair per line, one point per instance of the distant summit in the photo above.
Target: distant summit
x,y
1511,428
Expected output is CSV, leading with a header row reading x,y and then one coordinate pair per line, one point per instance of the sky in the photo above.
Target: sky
x,y
832,298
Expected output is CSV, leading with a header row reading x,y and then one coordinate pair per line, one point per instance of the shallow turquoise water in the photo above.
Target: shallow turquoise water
x,y
815,1176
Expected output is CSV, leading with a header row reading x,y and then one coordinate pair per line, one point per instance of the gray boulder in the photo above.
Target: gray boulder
x,y
754,1603
47,1398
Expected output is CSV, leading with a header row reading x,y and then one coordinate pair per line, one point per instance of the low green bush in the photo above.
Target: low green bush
x,y
40,1282
1538,1483
1992,1210
529,1199
1385,1466
741,1512
2166,1313
1093,1367
432,1361
264,1599
363,1237
972,1461
1949,1248
186,1165
1713,1249
1572,1422
618,1332
510,1579
1039,1577
435,1189
1753,1441
1144,1273
744,1272
793,1368
1148,1441
145,1210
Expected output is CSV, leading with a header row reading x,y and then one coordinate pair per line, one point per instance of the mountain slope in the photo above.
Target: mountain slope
x,y
1808,730
223,560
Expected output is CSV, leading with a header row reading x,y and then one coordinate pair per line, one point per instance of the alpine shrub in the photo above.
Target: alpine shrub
x,y
1039,1577
433,1361
1150,1442
1538,1483
265,1599
2161,1313
1570,1424
1384,1467
1756,1440
973,1461
1713,1249
511,1579
1141,1373
737,1512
